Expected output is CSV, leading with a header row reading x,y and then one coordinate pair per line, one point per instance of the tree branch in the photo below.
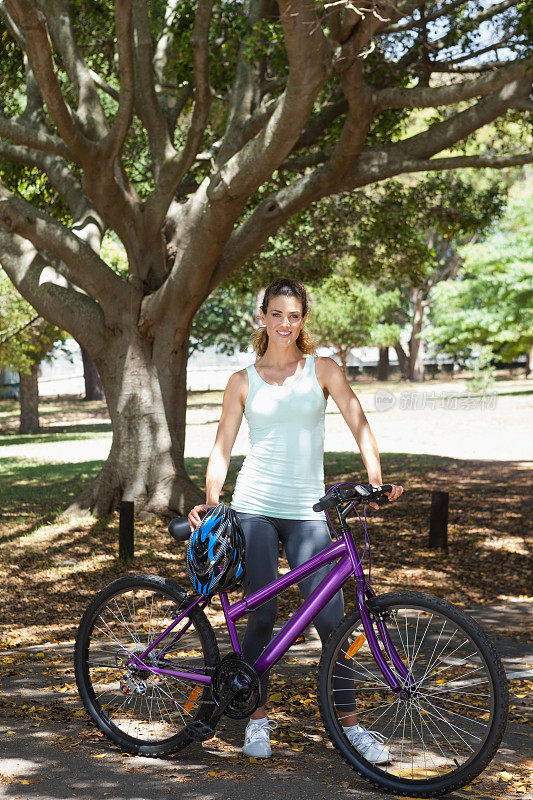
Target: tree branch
x,y
316,127
148,106
445,10
50,292
429,97
307,51
462,162
175,168
242,95
22,135
166,40
104,85
40,56
89,271
90,111
451,67
8,335
57,170
114,140
11,25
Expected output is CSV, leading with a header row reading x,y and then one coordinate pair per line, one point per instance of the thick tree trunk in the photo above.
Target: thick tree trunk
x,y
383,364
93,385
29,401
416,343
403,360
146,390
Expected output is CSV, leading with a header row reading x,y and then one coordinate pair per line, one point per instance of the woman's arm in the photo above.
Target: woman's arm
x,y
331,377
228,428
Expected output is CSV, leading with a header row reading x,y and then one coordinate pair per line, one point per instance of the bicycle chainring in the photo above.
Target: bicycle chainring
x,y
245,701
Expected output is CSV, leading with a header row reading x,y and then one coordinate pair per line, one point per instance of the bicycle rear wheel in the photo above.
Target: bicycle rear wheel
x,y
451,724
140,711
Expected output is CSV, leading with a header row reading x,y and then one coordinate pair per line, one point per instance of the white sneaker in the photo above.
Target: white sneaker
x,y
368,743
257,738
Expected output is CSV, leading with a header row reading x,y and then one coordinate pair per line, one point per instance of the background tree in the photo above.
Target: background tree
x,y
94,389
345,313
25,340
225,320
490,305
195,161
411,235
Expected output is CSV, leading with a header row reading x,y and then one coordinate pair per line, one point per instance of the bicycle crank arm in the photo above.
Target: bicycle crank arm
x,y
199,731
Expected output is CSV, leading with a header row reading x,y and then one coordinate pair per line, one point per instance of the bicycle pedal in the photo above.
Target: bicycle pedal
x,y
198,731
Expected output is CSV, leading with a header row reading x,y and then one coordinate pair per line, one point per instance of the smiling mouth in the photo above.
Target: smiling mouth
x,y
283,334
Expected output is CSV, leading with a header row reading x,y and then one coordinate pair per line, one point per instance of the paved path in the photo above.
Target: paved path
x,y
52,761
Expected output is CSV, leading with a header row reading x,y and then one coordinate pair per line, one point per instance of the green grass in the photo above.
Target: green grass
x,y
76,433
40,492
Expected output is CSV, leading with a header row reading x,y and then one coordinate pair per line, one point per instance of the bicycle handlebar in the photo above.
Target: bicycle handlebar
x,y
356,494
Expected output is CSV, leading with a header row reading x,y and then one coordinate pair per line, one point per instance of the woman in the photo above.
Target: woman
x,y
283,397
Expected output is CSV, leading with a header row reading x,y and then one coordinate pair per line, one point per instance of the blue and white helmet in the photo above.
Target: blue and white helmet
x,y
216,552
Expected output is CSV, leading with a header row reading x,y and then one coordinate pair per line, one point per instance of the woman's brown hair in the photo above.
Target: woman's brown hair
x,y
288,288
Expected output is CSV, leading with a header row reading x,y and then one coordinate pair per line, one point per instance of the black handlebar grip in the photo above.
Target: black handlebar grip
x,y
383,500
179,529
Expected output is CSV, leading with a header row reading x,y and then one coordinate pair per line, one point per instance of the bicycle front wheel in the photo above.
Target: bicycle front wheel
x,y
141,711
452,721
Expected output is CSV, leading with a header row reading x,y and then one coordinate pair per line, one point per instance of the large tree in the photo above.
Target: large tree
x,y
195,130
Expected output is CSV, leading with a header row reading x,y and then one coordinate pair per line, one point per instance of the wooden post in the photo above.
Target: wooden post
x,y
125,531
438,520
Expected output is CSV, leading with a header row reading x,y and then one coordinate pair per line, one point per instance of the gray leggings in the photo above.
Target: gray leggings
x,y
301,539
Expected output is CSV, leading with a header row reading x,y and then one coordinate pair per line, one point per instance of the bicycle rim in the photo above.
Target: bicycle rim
x,y
128,701
448,728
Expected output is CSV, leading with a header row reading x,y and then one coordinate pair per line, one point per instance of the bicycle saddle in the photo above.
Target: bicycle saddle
x,y
179,529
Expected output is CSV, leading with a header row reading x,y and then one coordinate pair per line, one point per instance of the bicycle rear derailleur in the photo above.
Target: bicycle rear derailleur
x,y
235,688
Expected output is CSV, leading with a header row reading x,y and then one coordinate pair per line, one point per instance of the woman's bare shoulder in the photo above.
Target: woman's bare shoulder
x,y
326,366
237,386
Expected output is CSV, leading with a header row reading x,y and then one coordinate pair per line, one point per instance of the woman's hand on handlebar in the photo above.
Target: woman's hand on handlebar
x,y
392,495
195,515
396,492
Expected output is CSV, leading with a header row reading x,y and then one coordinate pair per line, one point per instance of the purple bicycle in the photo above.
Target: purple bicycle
x,y
413,668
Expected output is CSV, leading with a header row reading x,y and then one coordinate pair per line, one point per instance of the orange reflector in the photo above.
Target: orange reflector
x,y
191,700
353,648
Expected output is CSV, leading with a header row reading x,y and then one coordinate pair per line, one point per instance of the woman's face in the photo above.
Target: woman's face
x,y
283,319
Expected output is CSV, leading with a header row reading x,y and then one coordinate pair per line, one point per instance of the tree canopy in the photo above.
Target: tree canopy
x,y
491,302
346,312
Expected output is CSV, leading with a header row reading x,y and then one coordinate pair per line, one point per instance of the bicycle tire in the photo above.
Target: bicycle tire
x,y
439,718
140,712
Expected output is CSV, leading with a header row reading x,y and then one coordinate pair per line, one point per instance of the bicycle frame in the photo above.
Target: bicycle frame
x,y
344,551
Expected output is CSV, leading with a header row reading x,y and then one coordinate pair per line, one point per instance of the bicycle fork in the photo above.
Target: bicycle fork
x,y
365,595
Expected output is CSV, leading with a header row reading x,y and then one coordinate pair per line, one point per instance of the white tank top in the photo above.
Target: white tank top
x,y
283,474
